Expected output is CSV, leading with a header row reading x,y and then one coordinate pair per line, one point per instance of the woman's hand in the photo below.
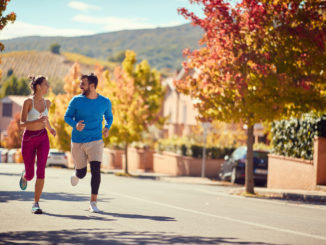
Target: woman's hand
x,y
53,132
43,119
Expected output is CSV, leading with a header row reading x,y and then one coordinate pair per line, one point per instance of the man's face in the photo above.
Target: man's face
x,y
84,86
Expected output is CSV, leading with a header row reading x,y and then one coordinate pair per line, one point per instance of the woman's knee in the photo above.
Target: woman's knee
x,y
81,173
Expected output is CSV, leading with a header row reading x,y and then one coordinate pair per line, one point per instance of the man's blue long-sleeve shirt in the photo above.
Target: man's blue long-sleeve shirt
x,y
92,112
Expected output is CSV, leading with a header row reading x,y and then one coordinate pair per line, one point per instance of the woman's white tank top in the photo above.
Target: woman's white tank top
x,y
34,114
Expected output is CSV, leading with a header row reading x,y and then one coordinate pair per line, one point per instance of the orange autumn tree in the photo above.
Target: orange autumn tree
x,y
259,61
13,139
58,109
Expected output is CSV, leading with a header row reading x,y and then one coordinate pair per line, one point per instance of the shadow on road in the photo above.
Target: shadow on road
x,y
96,236
6,196
10,174
137,216
78,217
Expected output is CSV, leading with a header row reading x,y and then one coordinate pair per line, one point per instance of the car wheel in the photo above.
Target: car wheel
x,y
234,176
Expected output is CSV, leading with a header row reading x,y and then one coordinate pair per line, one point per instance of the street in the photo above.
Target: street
x,y
144,211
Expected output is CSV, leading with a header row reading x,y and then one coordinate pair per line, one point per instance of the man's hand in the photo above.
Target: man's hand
x,y
105,132
80,125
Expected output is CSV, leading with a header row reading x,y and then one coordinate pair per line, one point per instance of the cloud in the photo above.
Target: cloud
x,y
82,6
19,29
117,23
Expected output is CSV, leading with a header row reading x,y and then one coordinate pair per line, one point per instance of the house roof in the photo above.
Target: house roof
x,y
18,99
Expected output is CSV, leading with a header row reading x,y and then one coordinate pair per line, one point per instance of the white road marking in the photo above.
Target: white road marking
x,y
223,217
305,205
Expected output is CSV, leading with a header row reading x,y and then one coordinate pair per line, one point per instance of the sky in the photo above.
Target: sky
x,y
86,17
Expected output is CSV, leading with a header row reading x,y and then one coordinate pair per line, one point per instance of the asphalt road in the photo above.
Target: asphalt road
x,y
140,211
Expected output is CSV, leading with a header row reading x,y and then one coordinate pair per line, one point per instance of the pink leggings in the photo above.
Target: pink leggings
x,y
35,143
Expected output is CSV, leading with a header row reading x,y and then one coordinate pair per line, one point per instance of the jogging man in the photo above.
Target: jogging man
x,y
85,115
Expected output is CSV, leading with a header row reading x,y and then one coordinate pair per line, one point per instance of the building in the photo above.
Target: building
x,y
179,109
181,113
9,106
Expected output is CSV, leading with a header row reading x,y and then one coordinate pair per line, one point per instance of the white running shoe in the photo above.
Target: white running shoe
x,y
74,180
93,208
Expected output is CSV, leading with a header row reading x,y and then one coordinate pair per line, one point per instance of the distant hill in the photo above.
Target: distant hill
x,y
162,47
54,67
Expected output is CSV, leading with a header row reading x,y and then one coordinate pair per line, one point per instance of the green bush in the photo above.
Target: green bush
x,y
188,147
294,137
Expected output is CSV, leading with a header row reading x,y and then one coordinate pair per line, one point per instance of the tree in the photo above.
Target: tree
x,y
13,86
13,140
59,104
259,61
136,94
118,57
4,20
55,48
10,72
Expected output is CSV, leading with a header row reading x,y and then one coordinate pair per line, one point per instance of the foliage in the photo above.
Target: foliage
x,y
136,94
295,137
10,72
4,19
55,48
58,109
13,86
118,57
260,61
13,139
189,147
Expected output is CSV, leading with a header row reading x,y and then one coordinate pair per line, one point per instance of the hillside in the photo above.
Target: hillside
x,y
55,67
162,47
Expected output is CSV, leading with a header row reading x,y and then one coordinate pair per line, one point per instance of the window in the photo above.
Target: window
x,y
7,109
184,114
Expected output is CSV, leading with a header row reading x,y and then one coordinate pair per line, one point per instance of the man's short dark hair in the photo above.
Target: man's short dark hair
x,y
92,79
83,77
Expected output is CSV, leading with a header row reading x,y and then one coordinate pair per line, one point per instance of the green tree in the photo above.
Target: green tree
x,y
119,57
10,72
260,61
13,86
55,48
136,94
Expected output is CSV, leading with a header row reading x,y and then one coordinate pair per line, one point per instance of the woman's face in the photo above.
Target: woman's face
x,y
43,87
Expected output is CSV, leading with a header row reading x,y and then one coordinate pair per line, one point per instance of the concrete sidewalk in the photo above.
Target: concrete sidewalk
x,y
316,196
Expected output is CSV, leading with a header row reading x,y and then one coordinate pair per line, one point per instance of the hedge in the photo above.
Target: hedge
x,y
295,137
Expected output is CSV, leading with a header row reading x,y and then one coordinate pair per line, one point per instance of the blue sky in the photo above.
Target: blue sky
x,y
85,17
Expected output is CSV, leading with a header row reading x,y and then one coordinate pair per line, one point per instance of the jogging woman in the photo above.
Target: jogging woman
x,y
35,142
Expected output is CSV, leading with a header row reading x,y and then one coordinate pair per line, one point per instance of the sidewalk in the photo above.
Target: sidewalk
x,y
316,196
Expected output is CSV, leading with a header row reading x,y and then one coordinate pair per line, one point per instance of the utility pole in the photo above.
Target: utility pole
x,y
206,126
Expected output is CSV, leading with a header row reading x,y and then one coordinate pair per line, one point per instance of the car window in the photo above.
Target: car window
x,y
57,153
239,153
260,154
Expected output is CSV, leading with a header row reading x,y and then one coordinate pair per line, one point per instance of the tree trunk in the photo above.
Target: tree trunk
x,y
126,159
249,183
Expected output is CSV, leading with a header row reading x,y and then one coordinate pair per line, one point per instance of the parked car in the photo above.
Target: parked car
x,y
11,155
3,155
57,158
233,169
